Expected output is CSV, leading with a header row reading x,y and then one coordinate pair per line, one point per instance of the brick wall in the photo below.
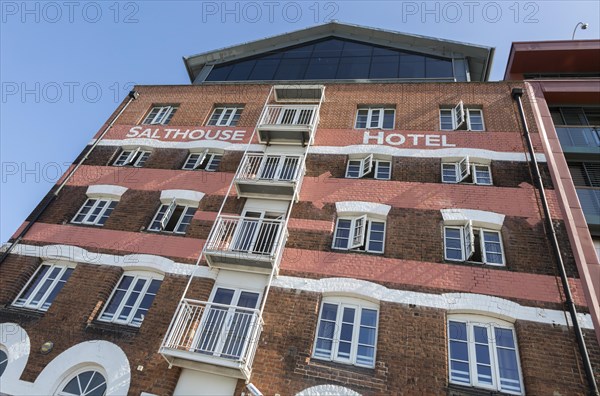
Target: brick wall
x,y
71,319
412,353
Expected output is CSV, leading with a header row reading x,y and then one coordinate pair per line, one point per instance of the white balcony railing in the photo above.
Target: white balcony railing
x,y
272,168
213,334
289,115
245,240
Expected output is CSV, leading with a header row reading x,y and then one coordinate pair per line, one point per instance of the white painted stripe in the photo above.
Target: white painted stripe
x,y
447,153
452,302
458,152
76,254
192,145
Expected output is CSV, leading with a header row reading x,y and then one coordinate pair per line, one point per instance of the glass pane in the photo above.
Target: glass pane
x,y
354,67
457,330
321,68
437,68
323,348
459,372
346,332
248,300
365,355
352,49
331,48
264,69
344,350
34,284
223,296
412,66
368,317
348,315
329,311
384,66
291,69
459,351
504,338
481,335
388,119
482,354
241,70
326,329
484,374
366,336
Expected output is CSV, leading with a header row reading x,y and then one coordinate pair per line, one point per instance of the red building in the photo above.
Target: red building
x,y
337,210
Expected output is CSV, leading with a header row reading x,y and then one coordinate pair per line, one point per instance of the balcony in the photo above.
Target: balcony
x,y
214,338
287,124
589,199
579,141
248,243
269,176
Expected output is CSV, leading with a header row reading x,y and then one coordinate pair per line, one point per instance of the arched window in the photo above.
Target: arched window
x,y
85,383
3,361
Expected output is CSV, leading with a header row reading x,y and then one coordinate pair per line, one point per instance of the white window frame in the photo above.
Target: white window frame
x,y
364,240
367,165
225,121
129,321
491,324
191,164
358,305
467,237
106,210
461,116
39,306
370,111
60,390
134,157
378,163
465,168
166,217
162,117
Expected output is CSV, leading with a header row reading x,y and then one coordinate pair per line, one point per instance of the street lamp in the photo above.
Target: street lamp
x,y
583,27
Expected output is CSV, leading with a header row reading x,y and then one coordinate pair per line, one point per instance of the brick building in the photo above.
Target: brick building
x,y
337,210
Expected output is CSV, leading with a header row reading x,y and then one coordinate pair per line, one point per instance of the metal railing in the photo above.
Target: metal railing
x,y
589,199
246,236
210,331
263,167
578,136
282,115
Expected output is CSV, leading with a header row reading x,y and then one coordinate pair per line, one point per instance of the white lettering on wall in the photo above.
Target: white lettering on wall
x,y
186,134
398,139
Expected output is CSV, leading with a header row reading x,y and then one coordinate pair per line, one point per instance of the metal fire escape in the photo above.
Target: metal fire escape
x,y
222,338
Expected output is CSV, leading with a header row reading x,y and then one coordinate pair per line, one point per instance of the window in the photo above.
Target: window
x,y
43,287
466,243
160,115
461,118
87,383
3,361
466,172
369,167
205,161
483,354
172,218
94,212
347,333
378,118
134,157
359,233
131,300
225,116
226,327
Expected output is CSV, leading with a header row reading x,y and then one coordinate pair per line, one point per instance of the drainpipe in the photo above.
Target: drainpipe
x,y
517,93
133,95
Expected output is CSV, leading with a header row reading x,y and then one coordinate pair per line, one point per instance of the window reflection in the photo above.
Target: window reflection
x,y
333,58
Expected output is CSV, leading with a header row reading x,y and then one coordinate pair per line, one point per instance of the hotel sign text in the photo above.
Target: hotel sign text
x,y
410,139
186,134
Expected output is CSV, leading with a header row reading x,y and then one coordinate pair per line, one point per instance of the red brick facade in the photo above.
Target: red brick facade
x,y
412,347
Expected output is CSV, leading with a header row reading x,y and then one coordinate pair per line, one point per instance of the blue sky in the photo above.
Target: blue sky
x,y
65,66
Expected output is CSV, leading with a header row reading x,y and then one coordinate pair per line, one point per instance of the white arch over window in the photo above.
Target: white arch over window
x,y
452,302
183,197
376,210
327,390
479,218
14,340
100,355
105,191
